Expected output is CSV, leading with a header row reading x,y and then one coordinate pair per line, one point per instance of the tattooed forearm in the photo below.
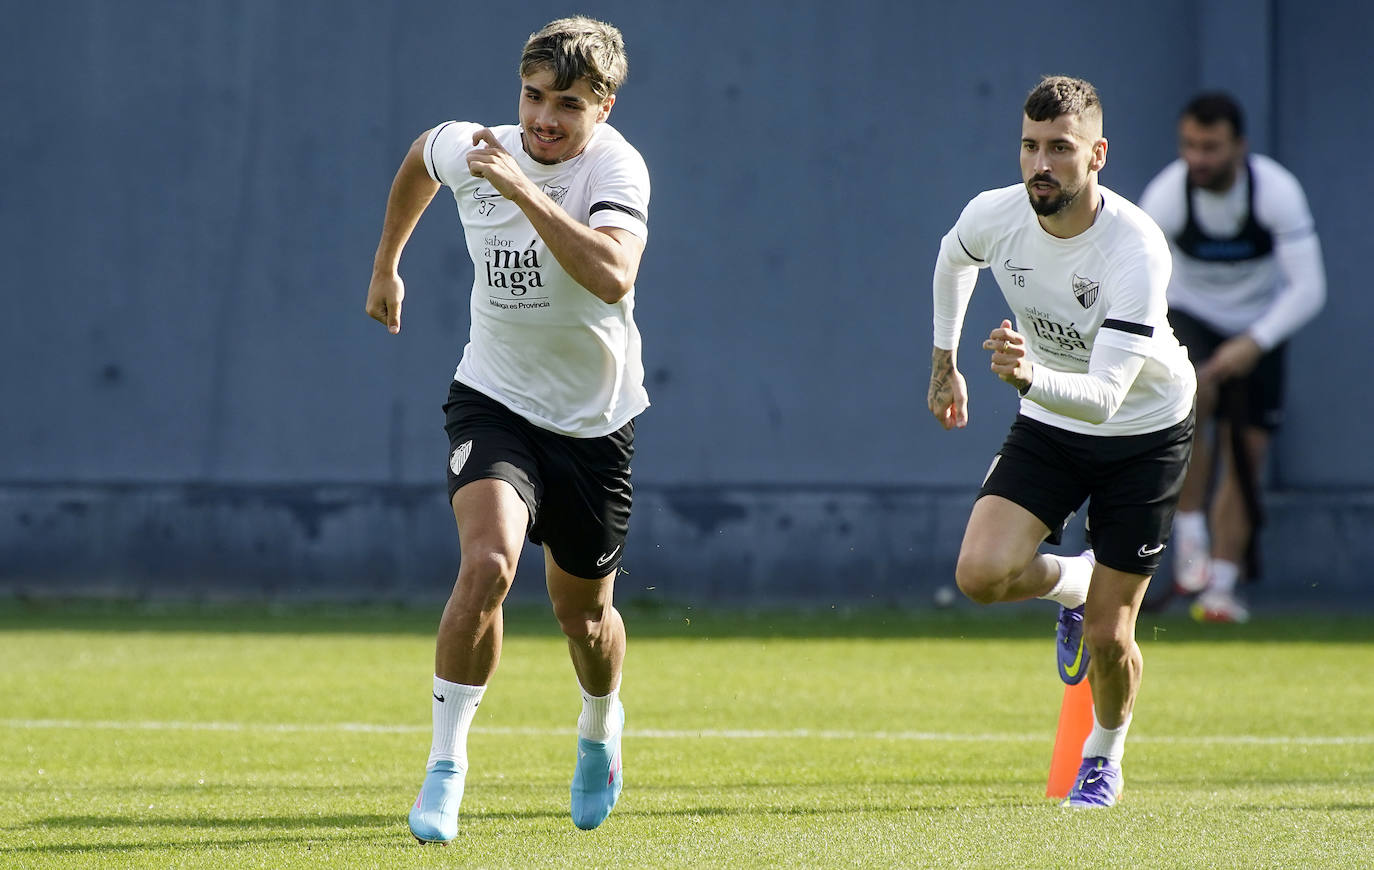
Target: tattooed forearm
x,y
941,376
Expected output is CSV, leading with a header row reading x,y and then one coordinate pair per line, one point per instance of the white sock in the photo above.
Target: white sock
x,y
455,705
1191,525
1222,576
1071,590
599,719
1107,742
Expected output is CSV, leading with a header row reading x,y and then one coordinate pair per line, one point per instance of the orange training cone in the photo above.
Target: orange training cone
x,y
1075,724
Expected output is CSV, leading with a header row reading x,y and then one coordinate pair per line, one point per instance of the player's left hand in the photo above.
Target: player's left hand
x,y
1235,357
494,163
1009,355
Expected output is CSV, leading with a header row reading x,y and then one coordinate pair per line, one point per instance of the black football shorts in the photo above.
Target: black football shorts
x,y
1131,484
1261,390
577,490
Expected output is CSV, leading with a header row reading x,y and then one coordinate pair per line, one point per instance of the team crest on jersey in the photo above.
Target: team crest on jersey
x,y
460,457
556,193
1085,290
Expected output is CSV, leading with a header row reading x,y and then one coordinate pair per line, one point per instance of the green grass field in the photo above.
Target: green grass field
x,y
296,737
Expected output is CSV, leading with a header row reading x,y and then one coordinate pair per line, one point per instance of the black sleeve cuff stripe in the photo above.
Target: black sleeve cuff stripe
x,y
615,206
967,251
1132,328
433,139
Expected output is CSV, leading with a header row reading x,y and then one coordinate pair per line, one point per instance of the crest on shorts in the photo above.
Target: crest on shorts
x,y
459,457
1085,290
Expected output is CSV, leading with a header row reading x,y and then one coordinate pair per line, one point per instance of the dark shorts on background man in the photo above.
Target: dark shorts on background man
x,y
577,490
1262,389
1131,484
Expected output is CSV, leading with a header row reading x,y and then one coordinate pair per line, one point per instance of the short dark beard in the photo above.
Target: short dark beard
x,y
1220,181
1051,207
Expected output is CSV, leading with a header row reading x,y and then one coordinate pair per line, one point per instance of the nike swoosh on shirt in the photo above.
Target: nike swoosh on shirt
x,y
1010,268
477,195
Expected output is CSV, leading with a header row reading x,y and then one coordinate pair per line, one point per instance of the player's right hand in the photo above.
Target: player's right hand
x,y
384,297
489,160
948,398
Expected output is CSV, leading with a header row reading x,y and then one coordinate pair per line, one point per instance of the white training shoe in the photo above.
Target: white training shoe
x,y
1191,558
1213,606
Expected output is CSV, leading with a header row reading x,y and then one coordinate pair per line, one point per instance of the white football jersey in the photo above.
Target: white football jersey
x,y
1270,296
1105,285
541,344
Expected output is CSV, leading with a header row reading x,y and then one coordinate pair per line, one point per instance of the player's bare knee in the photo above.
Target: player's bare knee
x,y
980,579
1106,643
975,591
484,578
581,626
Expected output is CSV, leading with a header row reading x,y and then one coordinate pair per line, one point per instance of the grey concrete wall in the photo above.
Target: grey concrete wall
x,y
815,546
191,198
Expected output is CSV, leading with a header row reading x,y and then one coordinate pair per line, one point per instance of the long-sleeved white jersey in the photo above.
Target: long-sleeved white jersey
x,y
1092,309
1224,273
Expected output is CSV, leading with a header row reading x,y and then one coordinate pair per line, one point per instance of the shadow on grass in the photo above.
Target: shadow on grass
x,y
295,823
345,828
654,619
712,811
297,830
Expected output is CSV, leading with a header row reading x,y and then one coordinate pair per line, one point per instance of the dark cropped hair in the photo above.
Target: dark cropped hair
x,y
1063,95
578,48
1211,107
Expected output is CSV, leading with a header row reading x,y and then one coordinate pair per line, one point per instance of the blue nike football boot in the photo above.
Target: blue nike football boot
x,y
1099,785
1068,635
597,778
434,818
1072,654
